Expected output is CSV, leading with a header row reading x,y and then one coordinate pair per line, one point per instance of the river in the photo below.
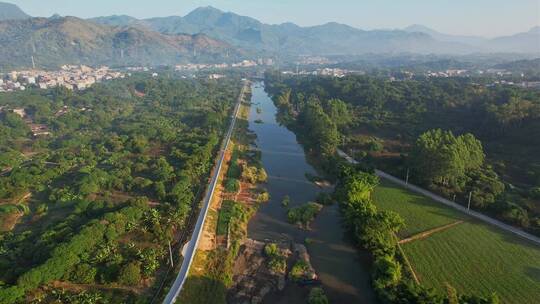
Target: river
x,y
343,270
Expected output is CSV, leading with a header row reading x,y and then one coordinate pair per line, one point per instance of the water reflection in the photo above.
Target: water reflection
x,y
343,270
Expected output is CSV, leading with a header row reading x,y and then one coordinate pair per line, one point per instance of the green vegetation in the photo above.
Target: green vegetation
x,y
419,212
456,136
286,201
298,271
232,185
102,196
276,260
317,296
398,127
212,271
130,274
376,231
501,262
253,175
263,196
303,215
229,210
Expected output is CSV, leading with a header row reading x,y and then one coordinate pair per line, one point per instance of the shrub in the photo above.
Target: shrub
x,y
324,198
232,185
271,250
317,296
298,271
263,197
286,201
130,274
303,215
84,274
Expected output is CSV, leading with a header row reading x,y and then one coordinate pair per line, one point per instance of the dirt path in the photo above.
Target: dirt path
x,y
425,234
408,264
208,239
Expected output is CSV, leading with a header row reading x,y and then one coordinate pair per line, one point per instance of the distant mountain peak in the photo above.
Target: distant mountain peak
x,y
535,29
9,11
206,10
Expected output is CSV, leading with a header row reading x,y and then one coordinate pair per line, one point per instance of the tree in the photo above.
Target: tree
x,y
387,272
339,112
439,157
162,170
320,130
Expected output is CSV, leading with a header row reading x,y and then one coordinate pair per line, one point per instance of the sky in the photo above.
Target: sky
x,y
487,18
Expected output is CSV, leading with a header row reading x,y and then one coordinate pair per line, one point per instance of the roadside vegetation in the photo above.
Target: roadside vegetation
x,y
211,274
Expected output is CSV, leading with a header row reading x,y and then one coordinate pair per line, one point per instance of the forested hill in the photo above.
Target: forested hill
x,y
422,126
60,40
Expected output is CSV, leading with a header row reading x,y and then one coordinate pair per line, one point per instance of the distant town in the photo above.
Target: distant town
x,y
72,77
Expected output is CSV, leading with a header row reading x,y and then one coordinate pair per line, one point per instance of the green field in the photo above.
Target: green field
x,y
473,257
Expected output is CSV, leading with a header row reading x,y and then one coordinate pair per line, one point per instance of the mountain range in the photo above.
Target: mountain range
x,y
208,34
326,39
60,40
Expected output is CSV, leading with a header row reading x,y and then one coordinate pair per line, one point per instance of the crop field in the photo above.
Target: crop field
x,y
473,257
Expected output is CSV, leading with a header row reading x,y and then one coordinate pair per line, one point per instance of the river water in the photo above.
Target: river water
x,y
343,270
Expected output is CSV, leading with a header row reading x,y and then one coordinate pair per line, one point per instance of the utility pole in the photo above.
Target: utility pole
x,y
469,204
170,254
407,177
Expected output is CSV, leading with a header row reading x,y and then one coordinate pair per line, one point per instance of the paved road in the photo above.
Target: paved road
x,y
449,203
192,245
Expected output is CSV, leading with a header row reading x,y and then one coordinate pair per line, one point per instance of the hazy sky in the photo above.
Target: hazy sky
x,y
471,17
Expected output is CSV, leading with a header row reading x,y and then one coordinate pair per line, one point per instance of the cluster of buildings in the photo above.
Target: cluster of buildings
x,y
314,60
73,77
465,73
447,73
219,66
333,72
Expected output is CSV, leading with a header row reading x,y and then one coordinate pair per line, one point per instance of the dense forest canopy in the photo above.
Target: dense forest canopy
x,y
109,181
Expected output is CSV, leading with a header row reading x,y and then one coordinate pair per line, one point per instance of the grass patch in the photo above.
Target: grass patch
x,y
203,285
473,257
419,212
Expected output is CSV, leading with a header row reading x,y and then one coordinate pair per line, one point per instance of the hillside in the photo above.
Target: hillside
x,y
56,41
289,38
10,11
522,42
527,42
